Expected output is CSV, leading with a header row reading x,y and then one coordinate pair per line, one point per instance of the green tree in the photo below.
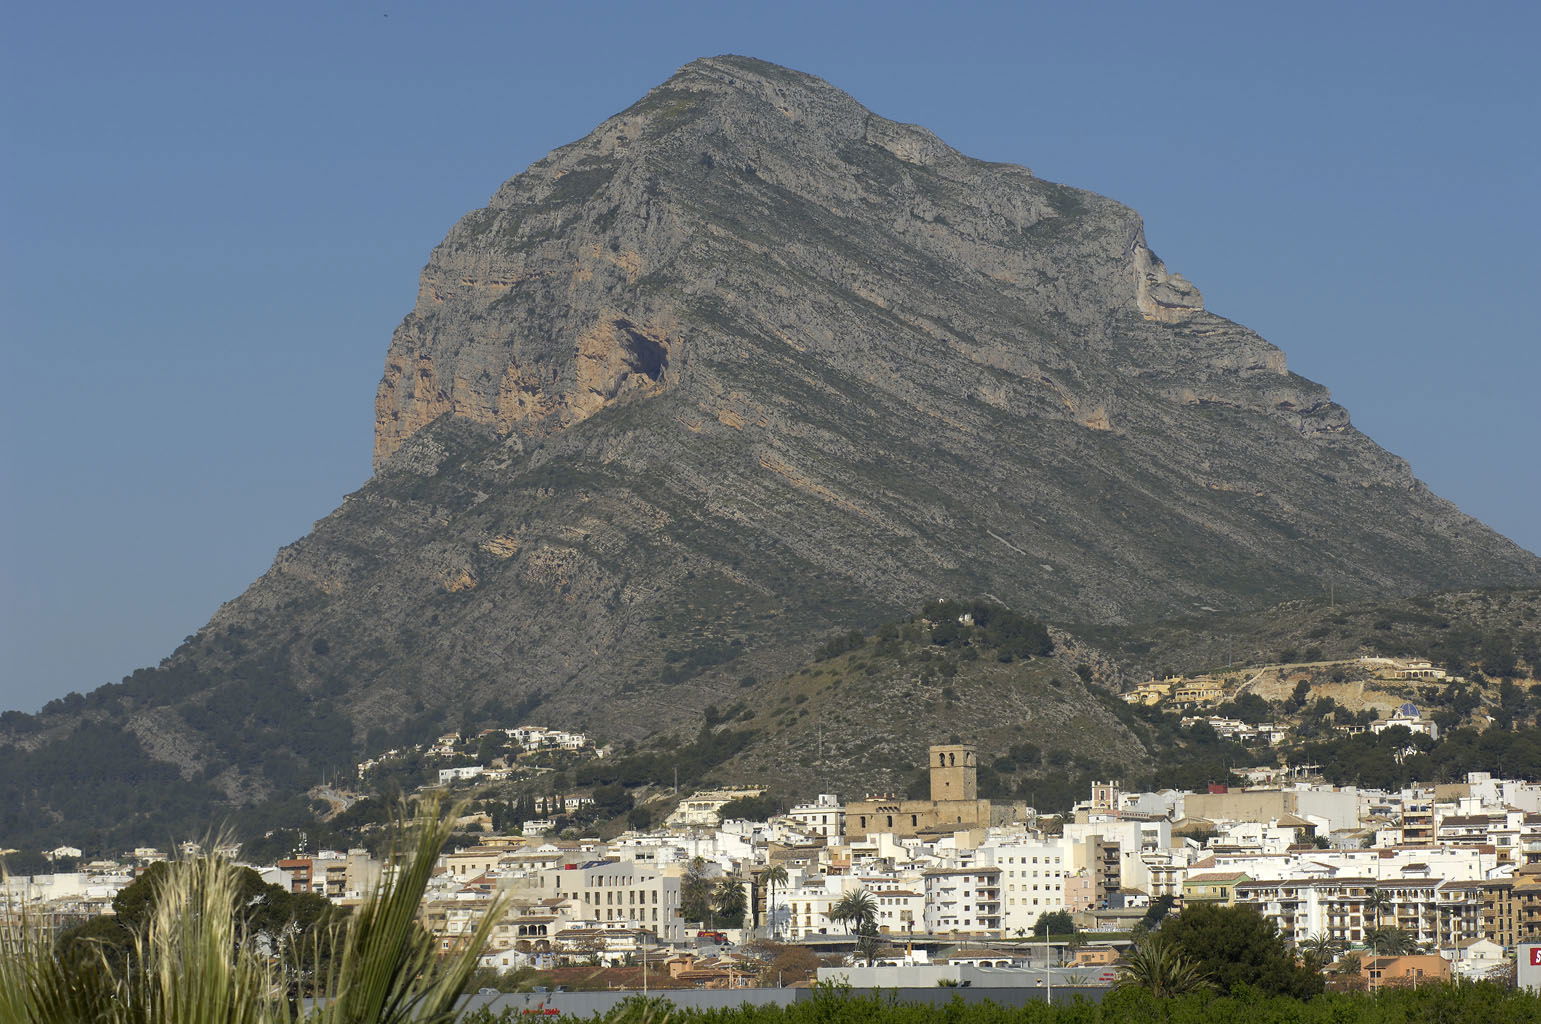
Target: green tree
x,y
1159,908
1237,947
1058,922
696,892
1249,707
295,927
1298,696
751,808
611,800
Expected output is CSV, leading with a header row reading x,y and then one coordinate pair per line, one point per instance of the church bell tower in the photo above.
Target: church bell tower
x,y
954,773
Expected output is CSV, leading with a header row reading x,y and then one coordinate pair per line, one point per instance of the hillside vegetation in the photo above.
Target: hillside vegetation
x,y
1495,632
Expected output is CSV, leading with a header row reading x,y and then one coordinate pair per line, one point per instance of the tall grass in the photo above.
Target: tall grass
x,y
194,964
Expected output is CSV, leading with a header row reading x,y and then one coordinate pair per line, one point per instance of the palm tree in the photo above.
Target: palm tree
x,y
1378,901
1319,951
1390,942
728,900
856,907
1159,966
859,909
774,876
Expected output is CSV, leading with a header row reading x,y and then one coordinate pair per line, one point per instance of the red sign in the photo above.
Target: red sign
x,y
1535,956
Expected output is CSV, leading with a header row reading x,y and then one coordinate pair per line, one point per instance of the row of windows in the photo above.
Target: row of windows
x,y
889,818
613,898
633,897
620,915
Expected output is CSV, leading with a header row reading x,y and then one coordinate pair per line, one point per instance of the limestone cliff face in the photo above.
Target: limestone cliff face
x,y
748,364
768,193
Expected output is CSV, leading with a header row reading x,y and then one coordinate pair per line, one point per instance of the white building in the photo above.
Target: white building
x,y
1408,717
701,809
963,900
538,737
825,817
1032,878
1476,959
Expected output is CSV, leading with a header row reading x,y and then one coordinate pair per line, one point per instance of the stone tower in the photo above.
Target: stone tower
x,y
1105,795
954,773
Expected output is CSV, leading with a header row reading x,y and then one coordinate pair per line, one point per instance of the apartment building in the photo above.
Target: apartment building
x,y
963,901
609,892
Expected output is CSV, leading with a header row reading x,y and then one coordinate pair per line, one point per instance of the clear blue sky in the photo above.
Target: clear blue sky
x,y
215,214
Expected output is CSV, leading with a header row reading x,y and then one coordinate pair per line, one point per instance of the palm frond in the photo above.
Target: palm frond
x,y
388,970
1159,966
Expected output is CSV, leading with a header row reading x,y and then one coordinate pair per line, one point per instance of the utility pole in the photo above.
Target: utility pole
x,y
676,780
1048,974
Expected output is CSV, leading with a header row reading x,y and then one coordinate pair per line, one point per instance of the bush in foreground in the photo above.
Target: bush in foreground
x,y
196,961
1483,1003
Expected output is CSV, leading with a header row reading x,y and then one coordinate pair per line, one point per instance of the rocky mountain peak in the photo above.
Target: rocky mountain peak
x,y
573,288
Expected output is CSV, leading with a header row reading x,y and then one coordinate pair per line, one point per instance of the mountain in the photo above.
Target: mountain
x,y
745,366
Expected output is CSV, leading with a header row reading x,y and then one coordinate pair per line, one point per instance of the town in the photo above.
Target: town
x,y
1426,882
